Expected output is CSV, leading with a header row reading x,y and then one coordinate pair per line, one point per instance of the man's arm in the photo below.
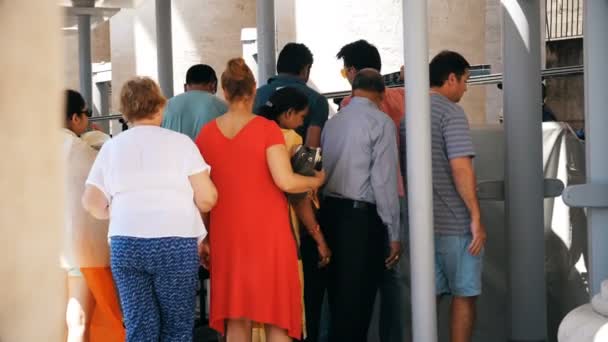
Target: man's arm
x,y
384,184
313,136
319,113
460,151
464,178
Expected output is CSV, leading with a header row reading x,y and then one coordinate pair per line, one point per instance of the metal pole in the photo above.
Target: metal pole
x,y
266,40
596,125
164,46
523,170
84,58
419,175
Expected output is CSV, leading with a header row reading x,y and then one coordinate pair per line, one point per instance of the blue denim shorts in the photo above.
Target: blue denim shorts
x,y
457,272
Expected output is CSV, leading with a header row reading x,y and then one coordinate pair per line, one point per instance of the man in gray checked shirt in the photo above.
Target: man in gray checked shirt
x,y
360,211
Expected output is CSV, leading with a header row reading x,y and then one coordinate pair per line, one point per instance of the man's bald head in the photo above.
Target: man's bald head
x,y
369,83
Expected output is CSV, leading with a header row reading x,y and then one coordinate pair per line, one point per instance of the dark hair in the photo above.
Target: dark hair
x,y
140,98
360,55
369,80
445,63
74,104
200,74
281,101
237,80
294,58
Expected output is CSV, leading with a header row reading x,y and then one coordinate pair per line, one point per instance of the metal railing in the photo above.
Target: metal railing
x,y
106,118
487,79
474,80
564,19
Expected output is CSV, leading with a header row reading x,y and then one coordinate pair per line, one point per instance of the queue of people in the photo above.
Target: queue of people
x,y
197,180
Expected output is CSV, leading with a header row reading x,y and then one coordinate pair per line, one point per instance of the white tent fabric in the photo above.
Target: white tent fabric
x,y
565,231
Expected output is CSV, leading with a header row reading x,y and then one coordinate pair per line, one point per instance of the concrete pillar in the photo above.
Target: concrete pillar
x,y
164,46
596,125
101,103
33,295
523,170
84,58
265,22
589,323
419,175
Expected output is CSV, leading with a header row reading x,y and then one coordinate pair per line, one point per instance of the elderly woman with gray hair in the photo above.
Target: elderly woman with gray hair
x,y
152,184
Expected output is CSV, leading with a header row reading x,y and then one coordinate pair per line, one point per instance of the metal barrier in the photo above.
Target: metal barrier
x,y
474,80
487,79
106,118
564,19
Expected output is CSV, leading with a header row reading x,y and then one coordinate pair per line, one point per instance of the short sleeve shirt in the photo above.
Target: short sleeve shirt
x,y
451,138
318,111
144,174
187,113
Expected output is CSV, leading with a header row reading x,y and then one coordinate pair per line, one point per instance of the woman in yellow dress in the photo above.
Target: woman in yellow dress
x,y
287,107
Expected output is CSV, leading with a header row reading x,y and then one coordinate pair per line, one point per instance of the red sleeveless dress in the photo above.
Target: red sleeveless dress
x,y
254,265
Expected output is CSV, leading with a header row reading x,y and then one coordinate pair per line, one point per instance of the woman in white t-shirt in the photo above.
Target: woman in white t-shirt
x,y
152,183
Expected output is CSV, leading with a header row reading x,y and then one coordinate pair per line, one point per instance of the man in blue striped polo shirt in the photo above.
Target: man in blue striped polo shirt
x,y
459,234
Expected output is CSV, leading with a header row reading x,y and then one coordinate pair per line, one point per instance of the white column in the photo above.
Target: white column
x,y
84,58
596,125
523,170
265,23
164,46
33,290
419,175
589,323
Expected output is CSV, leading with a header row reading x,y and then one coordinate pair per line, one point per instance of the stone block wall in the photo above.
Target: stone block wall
x,y
326,26
565,95
203,32
100,52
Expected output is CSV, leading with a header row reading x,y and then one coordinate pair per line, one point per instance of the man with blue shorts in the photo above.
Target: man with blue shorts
x,y
459,234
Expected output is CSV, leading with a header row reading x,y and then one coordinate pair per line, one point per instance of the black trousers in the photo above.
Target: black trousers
x,y
315,284
358,240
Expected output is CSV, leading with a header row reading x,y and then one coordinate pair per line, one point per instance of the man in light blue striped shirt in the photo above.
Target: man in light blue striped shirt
x,y
360,211
459,234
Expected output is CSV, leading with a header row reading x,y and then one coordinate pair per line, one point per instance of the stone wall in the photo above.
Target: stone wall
x,y
494,58
325,26
565,95
203,32
100,52
209,32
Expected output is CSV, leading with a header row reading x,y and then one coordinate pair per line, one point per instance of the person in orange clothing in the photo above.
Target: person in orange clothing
x,y
251,251
92,312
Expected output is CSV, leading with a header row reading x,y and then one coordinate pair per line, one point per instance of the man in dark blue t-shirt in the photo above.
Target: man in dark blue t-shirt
x,y
293,67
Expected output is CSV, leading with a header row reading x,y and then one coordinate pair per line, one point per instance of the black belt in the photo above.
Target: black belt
x,y
355,204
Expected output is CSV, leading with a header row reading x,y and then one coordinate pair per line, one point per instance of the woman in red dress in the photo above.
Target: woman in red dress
x,y
252,251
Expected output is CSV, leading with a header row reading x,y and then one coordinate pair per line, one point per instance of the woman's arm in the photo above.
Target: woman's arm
x,y
95,202
205,193
305,213
283,175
